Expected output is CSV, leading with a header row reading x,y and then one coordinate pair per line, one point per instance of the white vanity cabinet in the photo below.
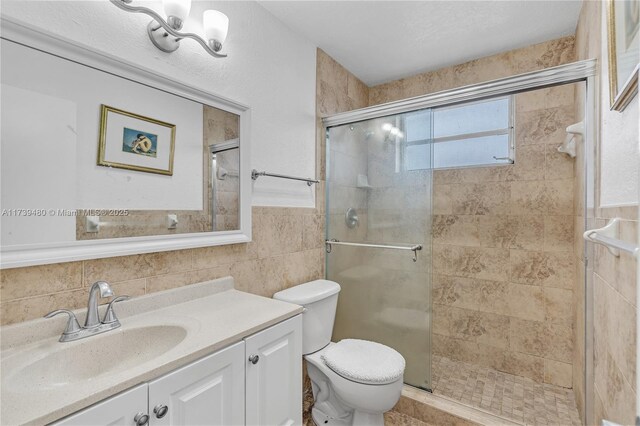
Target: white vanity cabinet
x,y
257,381
274,375
209,391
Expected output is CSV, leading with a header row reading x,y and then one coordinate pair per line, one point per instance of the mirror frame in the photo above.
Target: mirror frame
x,y
40,254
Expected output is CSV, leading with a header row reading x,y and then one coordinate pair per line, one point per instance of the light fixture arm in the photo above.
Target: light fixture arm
x,y
124,5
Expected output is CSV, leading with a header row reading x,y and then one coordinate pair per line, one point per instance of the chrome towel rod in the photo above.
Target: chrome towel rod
x,y
256,174
608,237
414,248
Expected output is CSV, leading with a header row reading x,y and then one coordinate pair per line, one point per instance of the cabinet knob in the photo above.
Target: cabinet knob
x,y
141,419
160,410
254,359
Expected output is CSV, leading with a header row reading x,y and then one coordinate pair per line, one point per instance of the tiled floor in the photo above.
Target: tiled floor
x,y
512,397
393,418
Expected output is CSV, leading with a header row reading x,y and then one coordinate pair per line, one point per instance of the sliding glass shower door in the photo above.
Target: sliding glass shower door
x,y
379,225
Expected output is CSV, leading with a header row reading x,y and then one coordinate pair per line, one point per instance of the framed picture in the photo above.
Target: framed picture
x,y
624,55
133,142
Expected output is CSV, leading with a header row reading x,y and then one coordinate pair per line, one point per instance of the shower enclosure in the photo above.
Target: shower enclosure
x,y
379,203
450,227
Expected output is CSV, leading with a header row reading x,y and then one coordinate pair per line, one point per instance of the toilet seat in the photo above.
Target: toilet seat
x,y
364,362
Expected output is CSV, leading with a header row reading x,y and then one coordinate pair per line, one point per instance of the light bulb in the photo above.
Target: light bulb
x,y
394,131
178,9
216,26
387,127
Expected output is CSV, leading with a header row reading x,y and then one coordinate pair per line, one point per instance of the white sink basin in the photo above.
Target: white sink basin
x,y
90,358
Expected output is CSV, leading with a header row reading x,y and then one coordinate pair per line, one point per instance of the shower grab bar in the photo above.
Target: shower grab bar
x,y
414,248
608,237
256,174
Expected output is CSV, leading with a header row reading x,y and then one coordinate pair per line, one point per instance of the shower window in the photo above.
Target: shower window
x,y
470,134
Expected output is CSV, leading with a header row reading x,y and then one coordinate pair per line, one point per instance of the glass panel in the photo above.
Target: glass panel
x,y
386,296
416,157
469,152
471,118
418,125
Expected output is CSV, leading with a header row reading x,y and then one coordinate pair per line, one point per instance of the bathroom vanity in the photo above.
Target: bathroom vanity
x,y
200,354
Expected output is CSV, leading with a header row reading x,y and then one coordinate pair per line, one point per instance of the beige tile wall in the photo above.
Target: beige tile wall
x,y
503,270
614,319
613,280
503,251
531,58
287,249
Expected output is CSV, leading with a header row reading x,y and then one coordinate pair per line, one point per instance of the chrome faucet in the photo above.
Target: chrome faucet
x,y
92,324
92,319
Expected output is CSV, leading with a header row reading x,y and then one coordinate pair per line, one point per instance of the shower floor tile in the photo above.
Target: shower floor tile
x,y
513,397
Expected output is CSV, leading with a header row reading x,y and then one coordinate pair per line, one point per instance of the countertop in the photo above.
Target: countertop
x,y
213,314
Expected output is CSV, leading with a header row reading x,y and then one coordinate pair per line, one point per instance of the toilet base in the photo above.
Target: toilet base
x,y
322,419
355,418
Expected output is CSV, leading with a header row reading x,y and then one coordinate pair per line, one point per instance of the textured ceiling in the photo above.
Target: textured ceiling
x,y
380,41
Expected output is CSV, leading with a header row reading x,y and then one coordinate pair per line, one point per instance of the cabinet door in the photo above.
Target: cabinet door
x,y
117,410
209,391
274,381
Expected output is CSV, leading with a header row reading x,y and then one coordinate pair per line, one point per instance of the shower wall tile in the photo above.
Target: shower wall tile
x,y
543,126
525,365
557,164
535,57
558,305
473,325
542,197
471,262
517,232
441,198
480,199
507,299
559,373
503,245
455,230
558,233
548,269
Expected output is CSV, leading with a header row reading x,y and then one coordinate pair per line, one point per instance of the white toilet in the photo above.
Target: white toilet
x,y
354,381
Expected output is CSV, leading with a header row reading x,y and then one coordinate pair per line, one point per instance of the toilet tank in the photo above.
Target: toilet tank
x,y
320,299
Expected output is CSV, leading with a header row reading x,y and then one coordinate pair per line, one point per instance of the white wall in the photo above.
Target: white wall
x,y
619,142
31,184
99,187
269,68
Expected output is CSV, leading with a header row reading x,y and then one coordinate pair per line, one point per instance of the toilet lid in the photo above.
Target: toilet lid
x,y
364,362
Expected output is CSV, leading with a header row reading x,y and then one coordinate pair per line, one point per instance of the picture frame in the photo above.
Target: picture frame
x,y
623,33
134,142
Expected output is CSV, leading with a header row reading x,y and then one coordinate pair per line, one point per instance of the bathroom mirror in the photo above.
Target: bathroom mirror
x,y
112,158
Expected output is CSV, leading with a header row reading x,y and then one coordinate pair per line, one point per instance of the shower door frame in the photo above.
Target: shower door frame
x,y
575,72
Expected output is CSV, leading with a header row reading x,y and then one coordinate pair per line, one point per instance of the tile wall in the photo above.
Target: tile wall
x,y
612,279
503,265
503,270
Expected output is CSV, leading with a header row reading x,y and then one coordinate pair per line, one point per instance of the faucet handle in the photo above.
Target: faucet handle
x,y
72,323
110,315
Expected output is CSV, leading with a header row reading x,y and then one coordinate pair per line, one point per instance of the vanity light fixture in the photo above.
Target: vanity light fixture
x,y
166,35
